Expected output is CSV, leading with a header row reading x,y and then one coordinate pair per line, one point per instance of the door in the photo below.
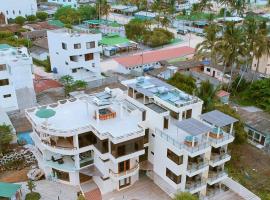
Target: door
x,y
123,166
262,140
214,73
124,182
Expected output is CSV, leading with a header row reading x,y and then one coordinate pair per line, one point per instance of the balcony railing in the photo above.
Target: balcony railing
x,y
86,162
200,146
124,173
219,157
193,167
214,176
195,185
225,137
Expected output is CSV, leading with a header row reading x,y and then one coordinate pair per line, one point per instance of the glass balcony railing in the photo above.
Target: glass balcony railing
x,y
86,162
193,167
219,157
194,185
213,176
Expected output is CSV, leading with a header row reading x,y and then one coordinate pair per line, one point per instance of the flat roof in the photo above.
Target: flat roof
x,y
218,118
154,56
114,39
74,114
193,127
8,190
156,108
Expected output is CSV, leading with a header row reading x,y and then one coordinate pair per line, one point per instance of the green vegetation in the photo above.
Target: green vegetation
x,y
42,15
185,196
71,85
31,18
140,31
87,12
183,82
19,20
81,197
7,37
32,196
43,63
248,93
194,16
5,138
67,15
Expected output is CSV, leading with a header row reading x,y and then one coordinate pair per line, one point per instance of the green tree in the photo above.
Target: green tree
x,y
42,15
158,37
19,20
31,186
87,12
185,196
67,82
135,29
183,82
103,8
31,18
67,15
81,197
79,85
5,137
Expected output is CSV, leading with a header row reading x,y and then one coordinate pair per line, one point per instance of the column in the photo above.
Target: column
x,y
231,129
218,132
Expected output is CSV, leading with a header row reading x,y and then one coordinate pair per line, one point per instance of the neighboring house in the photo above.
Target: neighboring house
x,y
264,65
114,43
48,25
217,72
257,125
16,79
75,53
10,191
223,96
151,59
40,49
124,9
34,35
144,15
72,3
163,135
14,8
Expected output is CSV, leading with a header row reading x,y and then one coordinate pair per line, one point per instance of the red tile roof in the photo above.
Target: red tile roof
x,y
41,84
222,93
154,56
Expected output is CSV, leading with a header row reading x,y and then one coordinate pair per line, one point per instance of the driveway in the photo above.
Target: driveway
x,y
144,189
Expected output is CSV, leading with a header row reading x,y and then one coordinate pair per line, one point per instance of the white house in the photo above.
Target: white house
x,y
72,3
16,79
14,8
74,53
163,135
218,73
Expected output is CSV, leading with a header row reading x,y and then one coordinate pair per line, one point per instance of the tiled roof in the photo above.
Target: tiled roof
x,y
154,56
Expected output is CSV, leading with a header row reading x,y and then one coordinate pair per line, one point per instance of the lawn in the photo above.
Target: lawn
x,y
250,167
196,16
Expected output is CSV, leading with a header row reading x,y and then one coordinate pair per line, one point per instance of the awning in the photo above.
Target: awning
x,y
193,127
8,190
218,118
91,171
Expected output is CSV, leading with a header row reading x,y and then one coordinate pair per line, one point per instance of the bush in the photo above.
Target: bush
x,y
183,82
159,37
32,196
19,20
5,34
46,64
31,18
42,15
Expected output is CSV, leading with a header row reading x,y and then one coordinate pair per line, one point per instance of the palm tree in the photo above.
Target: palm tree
x,y
185,196
103,8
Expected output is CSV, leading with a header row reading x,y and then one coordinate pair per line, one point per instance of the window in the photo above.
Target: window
x,y
208,69
90,45
188,113
175,158
152,153
77,46
172,176
7,12
165,123
4,82
143,115
64,45
93,65
89,56
7,95
13,12
146,136
74,70
3,67
20,12
60,174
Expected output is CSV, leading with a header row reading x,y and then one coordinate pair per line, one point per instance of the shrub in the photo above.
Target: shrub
x,y
183,82
42,15
32,196
19,20
31,18
43,63
5,34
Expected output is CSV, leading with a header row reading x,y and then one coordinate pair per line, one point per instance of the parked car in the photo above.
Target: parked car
x,y
182,32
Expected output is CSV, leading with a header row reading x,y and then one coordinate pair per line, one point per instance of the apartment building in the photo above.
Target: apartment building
x,y
72,3
14,8
16,79
74,53
152,129
264,65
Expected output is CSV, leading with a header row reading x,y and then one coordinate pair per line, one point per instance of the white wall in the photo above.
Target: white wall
x,y
14,8
72,3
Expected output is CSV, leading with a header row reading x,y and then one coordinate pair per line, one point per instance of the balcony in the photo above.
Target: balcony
x,y
196,168
132,171
219,138
218,159
86,158
63,163
215,177
195,186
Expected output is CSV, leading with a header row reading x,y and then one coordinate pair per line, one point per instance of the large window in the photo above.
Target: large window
x,y
128,147
64,45
172,176
3,67
175,158
77,46
4,82
89,138
90,45
89,56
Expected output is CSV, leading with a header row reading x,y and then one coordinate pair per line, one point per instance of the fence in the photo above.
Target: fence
x,y
102,82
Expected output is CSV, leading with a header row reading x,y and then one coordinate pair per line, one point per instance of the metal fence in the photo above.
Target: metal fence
x,y
102,82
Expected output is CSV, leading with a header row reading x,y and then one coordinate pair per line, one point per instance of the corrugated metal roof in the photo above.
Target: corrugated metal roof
x,y
193,127
218,118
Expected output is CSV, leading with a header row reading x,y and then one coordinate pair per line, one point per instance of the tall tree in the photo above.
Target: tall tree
x,y
5,137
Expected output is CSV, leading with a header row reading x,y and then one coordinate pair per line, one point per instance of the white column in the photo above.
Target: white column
x,y
97,115
193,141
231,129
218,132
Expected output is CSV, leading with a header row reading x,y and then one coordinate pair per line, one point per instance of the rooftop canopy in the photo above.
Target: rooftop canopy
x,y
45,113
218,118
8,190
114,39
193,127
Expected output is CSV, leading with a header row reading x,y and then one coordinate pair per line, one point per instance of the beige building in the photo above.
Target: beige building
x,y
264,65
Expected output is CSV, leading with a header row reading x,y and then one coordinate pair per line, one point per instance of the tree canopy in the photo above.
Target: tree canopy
x,y
185,196
183,82
5,137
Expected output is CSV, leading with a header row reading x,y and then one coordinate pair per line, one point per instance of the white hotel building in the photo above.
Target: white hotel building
x,y
152,128
74,53
72,3
16,79
14,8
